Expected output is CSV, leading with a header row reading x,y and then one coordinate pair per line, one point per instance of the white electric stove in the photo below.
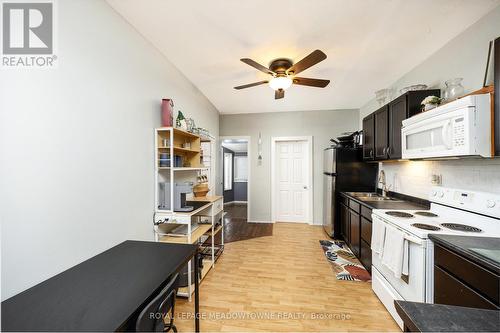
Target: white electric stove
x,y
452,212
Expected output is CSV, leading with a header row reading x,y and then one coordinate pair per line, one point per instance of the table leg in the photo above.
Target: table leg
x,y
196,295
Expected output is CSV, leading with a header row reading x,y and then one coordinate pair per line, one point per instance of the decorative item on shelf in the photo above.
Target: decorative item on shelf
x,y
167,112
383,96
453,89
164,160
430,102
178,161
165,143
180,122
414,87
190,125
186,145
201,189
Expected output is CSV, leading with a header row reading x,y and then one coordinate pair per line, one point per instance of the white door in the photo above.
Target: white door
x,y
292,181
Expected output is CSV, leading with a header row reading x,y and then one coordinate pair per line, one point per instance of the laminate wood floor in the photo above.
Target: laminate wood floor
x,y
237,227
285,280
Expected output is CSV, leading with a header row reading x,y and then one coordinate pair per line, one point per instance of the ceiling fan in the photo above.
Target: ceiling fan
x,y
283,73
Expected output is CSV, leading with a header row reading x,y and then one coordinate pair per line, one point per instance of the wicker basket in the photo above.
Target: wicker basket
x,y
201,190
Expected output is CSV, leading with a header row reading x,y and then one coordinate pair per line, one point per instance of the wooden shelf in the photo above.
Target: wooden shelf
x,y
182,150
216,231
182,168
195,235
180,132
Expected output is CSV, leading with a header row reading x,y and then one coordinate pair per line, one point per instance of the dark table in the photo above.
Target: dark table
x,y
103,293
423,317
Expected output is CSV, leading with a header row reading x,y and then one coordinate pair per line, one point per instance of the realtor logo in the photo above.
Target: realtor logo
x,y
28,34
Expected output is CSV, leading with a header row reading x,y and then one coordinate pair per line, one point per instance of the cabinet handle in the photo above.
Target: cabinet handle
x,y
371,153
384,151
389,151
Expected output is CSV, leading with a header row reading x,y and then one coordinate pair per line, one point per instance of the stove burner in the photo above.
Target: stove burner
x,y
426,214
399,214
425,226
460,227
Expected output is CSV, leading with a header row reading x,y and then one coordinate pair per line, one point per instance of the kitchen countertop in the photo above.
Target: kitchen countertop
x,y
484,251
400,204
423,317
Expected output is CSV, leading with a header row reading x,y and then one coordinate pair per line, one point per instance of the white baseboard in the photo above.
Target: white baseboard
x,y
235,202
256,221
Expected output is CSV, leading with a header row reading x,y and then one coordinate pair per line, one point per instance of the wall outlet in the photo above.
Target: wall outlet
x,y
436,179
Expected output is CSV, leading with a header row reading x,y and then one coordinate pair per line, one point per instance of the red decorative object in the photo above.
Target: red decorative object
x,y
167,112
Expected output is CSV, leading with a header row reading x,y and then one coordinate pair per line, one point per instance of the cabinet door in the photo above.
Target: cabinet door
x,y
344,222
368,138
381,133
398,112
354,232
366,255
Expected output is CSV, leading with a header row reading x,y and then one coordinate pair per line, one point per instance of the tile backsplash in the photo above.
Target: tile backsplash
x,y
414,177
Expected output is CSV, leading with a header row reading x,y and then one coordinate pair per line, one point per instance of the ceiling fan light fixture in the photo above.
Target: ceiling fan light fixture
x,y
280,82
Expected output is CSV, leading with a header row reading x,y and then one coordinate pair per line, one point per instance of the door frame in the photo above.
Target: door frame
x,y
309,140
249,162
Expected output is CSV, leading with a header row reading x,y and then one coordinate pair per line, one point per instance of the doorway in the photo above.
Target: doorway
x,y
292,179
235,178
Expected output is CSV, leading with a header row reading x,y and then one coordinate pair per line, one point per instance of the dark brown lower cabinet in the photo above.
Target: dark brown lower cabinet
x,y
356,229
460,282
355,232
366,255
344,222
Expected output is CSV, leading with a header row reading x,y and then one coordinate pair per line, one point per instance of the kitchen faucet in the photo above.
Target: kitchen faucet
x,y
381,180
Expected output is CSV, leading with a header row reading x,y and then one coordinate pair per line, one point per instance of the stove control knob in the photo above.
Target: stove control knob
x,y
433,193
490,203
440,194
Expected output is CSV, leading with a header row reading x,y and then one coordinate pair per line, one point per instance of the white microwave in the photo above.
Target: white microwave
x,y
457,129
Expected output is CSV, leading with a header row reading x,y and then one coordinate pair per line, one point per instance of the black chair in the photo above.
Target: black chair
x,y
152,317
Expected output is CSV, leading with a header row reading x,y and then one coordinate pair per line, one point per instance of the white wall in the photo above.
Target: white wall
x,y
322,125
464,56
77,144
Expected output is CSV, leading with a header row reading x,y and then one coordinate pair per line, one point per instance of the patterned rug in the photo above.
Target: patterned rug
x,y
344,263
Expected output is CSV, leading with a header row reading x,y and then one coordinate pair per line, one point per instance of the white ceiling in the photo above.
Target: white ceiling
x,y
369,44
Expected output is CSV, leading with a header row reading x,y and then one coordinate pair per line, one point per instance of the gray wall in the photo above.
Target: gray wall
x,y
322,125
76,143
464,56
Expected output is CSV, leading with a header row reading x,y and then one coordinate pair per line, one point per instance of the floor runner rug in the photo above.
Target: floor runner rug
x,y
344,263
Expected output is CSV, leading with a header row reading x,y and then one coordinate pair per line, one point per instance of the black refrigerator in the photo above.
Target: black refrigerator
x,y
344,170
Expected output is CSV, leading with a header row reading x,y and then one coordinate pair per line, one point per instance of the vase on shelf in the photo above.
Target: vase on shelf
x,y
167,112
453,89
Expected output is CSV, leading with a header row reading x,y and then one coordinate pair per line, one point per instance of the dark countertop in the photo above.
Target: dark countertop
x,y
484,251
402,203
423,317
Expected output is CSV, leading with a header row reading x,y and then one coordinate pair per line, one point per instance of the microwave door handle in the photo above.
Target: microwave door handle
x,y
445,135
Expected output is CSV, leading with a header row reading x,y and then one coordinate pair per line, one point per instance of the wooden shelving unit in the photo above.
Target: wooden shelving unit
x,y
178,158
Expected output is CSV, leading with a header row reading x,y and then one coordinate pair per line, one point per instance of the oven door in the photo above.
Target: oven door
x,y
412,286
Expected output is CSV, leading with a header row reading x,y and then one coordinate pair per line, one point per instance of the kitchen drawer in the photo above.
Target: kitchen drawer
x,y
366,213
218,206
354,206
480,279
366,230
366,256
344,200
450,291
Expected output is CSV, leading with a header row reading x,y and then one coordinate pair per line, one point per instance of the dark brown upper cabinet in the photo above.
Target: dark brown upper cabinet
x,y
369,137
381,132
383,127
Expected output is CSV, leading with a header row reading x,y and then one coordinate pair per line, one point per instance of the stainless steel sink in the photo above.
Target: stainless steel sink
x,y
371,196
363,194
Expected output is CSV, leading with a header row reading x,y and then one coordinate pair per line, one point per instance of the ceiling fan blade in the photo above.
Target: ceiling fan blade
x,y
304,81
251,85
280,93
257,66
311,60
